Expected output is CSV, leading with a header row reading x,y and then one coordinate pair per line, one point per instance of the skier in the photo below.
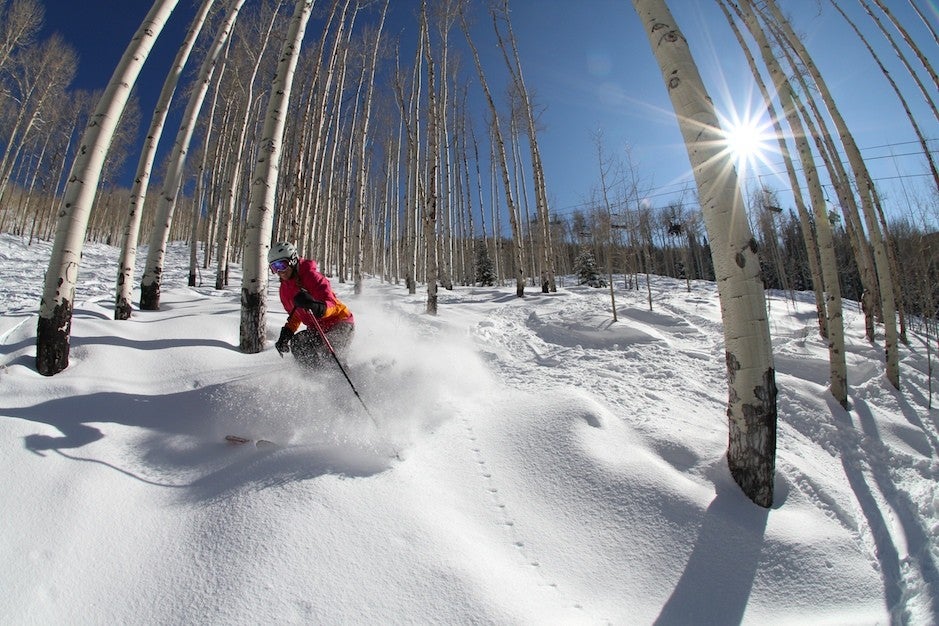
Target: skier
x,y
308,299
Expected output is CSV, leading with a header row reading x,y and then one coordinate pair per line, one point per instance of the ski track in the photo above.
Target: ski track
x,y
894,476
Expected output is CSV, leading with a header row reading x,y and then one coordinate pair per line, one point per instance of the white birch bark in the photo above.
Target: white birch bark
x,y
838,377
128,258
429,217
233,174
260,218
909,41
201,193
808,234
42,77
500,151
19,23
153,268
363,156
751,406
548,283
867,193
55,308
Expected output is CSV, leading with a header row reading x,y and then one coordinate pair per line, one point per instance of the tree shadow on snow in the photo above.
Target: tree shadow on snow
x,y
902,510
168,414
182,443
715,586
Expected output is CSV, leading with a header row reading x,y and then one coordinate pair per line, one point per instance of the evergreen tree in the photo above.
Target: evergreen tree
x,y
587,272
485,274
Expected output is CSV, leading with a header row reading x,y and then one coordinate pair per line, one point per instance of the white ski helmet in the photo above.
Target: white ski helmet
x,y
282,250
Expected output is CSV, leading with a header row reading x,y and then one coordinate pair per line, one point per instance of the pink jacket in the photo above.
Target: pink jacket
x,y
309,278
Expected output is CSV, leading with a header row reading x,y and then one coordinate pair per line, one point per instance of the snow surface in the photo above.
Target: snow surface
x,y
556,467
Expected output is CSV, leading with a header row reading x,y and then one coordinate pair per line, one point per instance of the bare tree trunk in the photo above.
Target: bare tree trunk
x,y
410,116
19,22
200,193
363,156
55,308
805,221
42,77
751,452
233,179
925,21
548,283
920,135
828,282
429,218
867,192
604,166
153,269
833,305
128,258
909,41
499,148
264,187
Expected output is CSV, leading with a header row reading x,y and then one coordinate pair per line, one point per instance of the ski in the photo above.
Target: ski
x,y
238,440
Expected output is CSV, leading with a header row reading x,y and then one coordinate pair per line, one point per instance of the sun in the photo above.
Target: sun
x,y
745,141
748,141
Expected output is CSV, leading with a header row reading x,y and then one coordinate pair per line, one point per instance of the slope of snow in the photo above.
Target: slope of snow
x,y
556,466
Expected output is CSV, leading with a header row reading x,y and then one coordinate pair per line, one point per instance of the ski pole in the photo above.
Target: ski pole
x,y
342,369
329,346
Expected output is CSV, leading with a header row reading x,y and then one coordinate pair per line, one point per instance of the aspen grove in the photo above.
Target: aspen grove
x,y
411,156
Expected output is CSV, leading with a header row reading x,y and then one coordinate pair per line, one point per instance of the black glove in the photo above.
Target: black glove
x,y
304,300
283,344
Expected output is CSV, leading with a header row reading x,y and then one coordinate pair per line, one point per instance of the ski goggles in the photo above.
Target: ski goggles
x,y
280,265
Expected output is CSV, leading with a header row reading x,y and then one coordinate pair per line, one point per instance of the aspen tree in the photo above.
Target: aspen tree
x,y
20,21
55,308
490,245
349,176
233,175
805,220
323,121
905,35
44,71
917,128
410,117
308,161
833,306
548,283
605,166
813,120
212,135
445,12
925,21
344,170
128,255
429,216
825,274
499,149
867,193
332,229
153,268
29,192
78,107
264,186
363,154
751,409
222,162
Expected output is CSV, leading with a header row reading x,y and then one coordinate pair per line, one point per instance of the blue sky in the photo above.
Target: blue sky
x,y
590,68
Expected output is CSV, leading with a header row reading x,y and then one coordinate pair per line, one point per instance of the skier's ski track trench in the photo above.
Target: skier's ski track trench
x,y
634,384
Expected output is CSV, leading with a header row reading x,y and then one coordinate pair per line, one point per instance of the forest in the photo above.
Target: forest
x,y
384,166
